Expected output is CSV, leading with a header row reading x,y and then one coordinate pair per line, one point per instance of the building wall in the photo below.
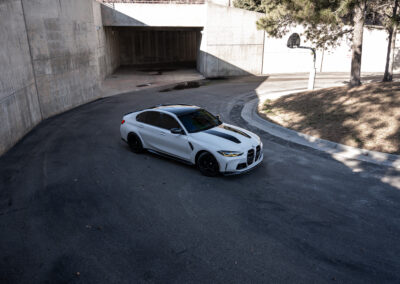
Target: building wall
x,y
231,44
146,46
19,104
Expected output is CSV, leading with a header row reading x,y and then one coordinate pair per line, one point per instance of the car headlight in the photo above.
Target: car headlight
x,y
230,153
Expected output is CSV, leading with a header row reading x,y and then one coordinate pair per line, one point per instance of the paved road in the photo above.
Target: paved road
x,y
73,198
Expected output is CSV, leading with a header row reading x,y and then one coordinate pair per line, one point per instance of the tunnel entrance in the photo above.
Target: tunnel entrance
x,y
142,57
158,47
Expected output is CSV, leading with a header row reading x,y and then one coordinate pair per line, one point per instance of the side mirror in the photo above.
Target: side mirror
x,y
177,131
218,117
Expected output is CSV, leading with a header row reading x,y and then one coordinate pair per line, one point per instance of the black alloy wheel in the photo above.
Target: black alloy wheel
x,y
208,165
135,143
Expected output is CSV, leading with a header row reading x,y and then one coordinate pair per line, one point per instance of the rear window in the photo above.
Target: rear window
x,y
149,117
141,117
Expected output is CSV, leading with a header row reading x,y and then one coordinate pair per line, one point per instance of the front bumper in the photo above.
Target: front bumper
x,y
229,166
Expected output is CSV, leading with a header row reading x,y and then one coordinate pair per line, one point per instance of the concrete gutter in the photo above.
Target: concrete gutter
x,y
338,151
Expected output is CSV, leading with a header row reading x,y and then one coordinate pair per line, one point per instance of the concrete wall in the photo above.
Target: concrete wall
x,y
63,44
53,56
149,46
373,56
156,15
280,59
108,44
231,45
19,105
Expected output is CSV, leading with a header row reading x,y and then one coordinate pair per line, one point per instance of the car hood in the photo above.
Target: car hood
x,y
228,137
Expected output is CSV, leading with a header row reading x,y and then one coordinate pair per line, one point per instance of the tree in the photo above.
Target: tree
x,y
251,5
359,12
325,22
391,22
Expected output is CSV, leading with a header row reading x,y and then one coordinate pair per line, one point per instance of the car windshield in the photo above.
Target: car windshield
x,y
199,120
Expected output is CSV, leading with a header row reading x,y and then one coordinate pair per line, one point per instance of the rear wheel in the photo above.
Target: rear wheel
x,y
208,165
135,143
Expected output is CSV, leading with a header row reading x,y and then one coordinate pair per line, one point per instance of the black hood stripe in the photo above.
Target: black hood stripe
x,y
235,130
223,135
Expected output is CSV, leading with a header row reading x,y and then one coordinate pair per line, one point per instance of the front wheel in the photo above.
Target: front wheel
x,y
208,165
135,143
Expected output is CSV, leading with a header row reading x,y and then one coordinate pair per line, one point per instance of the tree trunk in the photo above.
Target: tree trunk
x,y
355,76
388,76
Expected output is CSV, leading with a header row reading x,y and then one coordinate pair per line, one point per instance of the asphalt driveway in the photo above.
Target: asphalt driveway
x,y
77,206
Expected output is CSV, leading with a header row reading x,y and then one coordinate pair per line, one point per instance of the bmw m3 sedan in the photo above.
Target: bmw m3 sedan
x,y
193,135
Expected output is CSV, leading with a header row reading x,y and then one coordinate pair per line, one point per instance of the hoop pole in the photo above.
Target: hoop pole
x,y
311,78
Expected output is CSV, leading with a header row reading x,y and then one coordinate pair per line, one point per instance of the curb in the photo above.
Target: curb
x,y
338,151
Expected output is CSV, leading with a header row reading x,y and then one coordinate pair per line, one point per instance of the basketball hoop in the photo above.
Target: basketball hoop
x,y
294,42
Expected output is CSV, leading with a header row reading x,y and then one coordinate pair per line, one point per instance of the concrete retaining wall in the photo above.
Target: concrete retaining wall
x,y
231,45
53,55
108,44
63,45
19,105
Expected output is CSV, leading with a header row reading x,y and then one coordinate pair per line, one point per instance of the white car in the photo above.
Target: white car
x,y
192,135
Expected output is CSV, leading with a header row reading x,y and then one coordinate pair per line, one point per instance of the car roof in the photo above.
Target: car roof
x,y
177,109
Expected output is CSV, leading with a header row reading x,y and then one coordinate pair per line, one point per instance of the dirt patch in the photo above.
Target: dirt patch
x,y
365,117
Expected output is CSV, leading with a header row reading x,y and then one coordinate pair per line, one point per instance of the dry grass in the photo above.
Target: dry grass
x,y
365,117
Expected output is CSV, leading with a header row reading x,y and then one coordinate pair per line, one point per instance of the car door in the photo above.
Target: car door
x,y
149,129
174,144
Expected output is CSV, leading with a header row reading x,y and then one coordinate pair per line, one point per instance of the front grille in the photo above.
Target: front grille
x,y
258,152
250,156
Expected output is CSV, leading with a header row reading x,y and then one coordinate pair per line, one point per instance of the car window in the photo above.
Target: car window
x,y
149,117
141,117
199,120
168,122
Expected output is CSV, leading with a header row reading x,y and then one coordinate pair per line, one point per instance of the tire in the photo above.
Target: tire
x,y
135,143
208,165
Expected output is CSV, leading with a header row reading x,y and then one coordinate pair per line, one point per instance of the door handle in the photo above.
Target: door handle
x,y
162,133
141,126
